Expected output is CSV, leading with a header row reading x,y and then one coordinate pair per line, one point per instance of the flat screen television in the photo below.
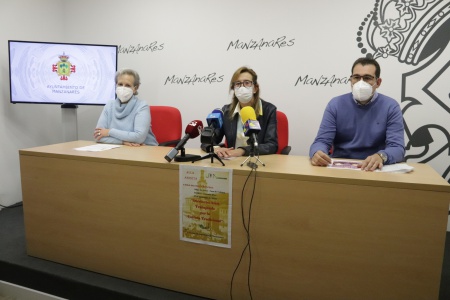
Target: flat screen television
x,y
61,73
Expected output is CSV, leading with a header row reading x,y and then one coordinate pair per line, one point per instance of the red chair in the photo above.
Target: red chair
x,y
283,134
166,125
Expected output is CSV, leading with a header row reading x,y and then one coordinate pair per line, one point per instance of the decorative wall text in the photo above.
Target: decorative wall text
x,y
210,78
258,45
322,80
135,49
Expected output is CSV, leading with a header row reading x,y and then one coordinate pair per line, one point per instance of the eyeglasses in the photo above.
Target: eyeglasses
x,y
246,83
366,78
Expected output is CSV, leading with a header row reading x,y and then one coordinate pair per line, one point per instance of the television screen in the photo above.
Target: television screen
x,y
61,73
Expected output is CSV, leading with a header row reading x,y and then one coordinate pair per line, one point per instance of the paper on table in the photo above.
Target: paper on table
x,y
396,168
344,164
97,147
354,165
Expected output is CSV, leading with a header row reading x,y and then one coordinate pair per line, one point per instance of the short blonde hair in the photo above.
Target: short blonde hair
x,y
137,78
235,100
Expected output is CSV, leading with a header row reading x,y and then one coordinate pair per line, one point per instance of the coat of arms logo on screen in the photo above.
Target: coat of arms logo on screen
x,y
63,68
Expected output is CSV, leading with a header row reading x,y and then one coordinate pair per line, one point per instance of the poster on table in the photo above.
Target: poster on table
x,y
205,205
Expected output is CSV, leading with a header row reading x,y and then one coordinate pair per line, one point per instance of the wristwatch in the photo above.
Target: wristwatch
x,y
383,156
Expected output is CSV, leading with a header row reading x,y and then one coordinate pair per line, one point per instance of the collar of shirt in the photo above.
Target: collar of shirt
x,y
374,98
237,109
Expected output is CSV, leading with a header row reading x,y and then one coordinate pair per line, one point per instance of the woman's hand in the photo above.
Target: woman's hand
x,y
100,132
229,152
132,144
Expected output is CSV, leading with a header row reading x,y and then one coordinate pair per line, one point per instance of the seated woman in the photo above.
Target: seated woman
x,y
125,120
244,91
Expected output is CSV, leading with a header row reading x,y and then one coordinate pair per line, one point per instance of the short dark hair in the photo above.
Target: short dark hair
x,y
368,61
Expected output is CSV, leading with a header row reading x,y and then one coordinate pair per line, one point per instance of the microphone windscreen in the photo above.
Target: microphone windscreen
x,y
215,118
251,126
194,128
248,113
218,111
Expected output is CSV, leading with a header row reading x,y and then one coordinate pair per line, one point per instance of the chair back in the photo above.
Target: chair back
x,y
166,124
283,133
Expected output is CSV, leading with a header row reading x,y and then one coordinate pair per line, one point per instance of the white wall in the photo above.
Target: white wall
x,y
23,126
195,36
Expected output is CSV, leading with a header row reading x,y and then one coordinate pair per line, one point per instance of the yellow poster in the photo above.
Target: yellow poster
x,y
205,205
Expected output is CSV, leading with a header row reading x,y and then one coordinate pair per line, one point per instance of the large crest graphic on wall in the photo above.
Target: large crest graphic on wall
x,y
416,32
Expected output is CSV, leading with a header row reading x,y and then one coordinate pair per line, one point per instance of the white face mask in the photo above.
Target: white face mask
x,y
362,91
124,93
244,95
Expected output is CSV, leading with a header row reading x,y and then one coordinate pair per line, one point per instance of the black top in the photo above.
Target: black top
x,y
267,137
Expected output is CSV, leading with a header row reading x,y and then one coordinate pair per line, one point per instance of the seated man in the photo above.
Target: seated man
x,y
362,125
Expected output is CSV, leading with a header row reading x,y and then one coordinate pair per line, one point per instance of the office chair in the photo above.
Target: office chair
x,y
283,134
166,124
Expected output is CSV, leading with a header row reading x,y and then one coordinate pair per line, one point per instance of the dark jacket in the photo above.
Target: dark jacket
x,y
267,137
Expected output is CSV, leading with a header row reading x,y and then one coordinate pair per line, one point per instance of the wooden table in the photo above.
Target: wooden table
x,y
316,233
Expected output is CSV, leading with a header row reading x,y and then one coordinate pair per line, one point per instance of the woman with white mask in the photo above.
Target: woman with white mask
x,y
363,124
125,120
244,92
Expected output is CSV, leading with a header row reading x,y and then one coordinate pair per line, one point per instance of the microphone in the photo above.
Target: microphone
x,y
215,122
193,130
215,119
251,125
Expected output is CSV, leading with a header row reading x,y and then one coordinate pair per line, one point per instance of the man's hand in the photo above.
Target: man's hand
x,y
371,163
320,159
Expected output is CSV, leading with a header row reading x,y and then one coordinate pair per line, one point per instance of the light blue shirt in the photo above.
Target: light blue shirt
x,y
127,122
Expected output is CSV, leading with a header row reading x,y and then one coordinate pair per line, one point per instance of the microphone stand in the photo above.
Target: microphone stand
x,y
252,165
185,157
211,154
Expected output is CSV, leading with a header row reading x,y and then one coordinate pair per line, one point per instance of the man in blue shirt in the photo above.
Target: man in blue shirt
x,y
363,124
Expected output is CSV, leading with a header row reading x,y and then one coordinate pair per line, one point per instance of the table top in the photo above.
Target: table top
x,y
294,167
